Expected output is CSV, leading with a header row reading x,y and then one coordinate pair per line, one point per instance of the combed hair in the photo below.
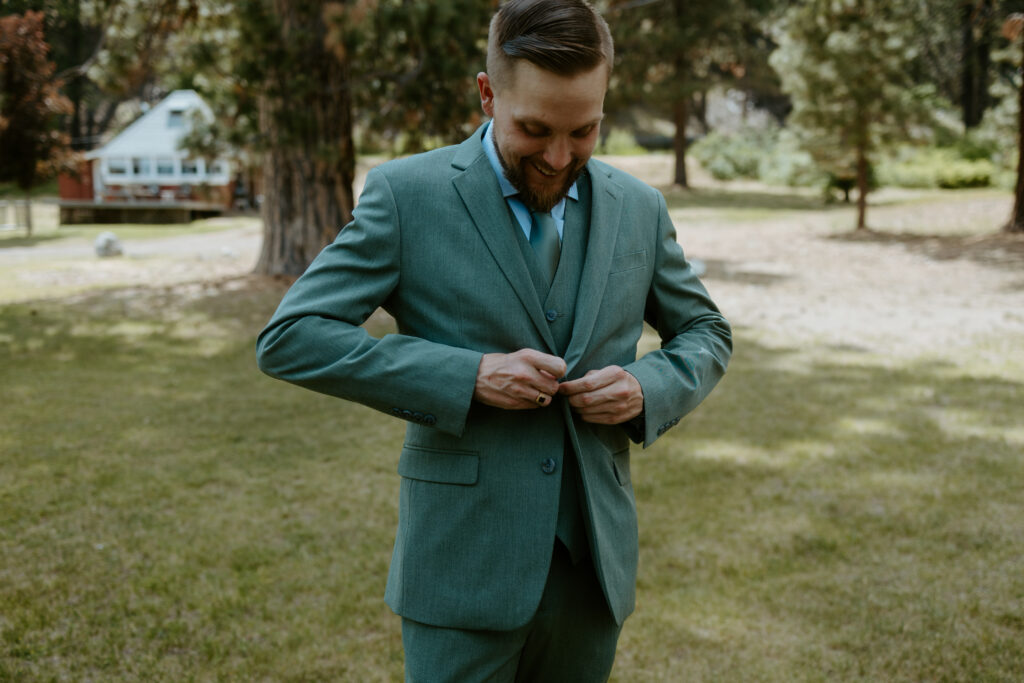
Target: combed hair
x,y
565,37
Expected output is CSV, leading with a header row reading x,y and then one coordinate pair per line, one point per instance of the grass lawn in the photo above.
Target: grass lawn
x,y
168,513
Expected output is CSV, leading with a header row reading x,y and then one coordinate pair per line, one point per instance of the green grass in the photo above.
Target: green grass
x,y
168,513
46,229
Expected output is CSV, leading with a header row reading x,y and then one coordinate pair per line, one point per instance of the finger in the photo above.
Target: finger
x,y
544,362
592,381
589,400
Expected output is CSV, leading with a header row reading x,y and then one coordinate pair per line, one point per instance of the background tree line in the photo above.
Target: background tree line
x,y
299,86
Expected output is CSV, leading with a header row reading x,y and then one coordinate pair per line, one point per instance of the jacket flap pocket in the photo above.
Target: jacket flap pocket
x,y
445,467
620,463
632,261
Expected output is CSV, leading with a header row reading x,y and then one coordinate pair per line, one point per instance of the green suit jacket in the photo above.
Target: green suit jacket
x,y
433,243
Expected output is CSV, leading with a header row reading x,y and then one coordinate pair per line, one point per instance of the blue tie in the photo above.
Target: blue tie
x,y
545,242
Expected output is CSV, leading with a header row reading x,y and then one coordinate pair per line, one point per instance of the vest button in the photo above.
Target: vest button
x,y
551,315
547,466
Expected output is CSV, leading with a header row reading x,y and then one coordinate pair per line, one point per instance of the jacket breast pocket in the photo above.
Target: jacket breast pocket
x,y
440,466
626,262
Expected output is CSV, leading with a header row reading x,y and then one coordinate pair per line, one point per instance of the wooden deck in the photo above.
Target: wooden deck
x,y
74,212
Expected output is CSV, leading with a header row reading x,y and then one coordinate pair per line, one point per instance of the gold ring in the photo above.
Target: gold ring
x,y
541,399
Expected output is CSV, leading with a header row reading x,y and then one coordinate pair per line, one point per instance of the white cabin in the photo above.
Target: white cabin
x,y
144,162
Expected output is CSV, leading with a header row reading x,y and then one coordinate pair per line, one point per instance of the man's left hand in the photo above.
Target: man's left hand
x,y
606,396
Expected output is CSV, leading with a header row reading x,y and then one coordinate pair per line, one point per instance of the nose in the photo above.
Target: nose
x,y
557,155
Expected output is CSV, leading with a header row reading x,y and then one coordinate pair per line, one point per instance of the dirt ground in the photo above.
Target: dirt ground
x,y
802,280
921,285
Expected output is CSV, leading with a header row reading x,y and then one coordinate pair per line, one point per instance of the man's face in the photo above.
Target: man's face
x,y
545,127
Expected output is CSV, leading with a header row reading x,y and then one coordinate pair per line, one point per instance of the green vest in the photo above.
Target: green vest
x,y
559,302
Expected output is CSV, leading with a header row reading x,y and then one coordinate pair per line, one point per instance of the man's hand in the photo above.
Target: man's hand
x,y
608,396
517,381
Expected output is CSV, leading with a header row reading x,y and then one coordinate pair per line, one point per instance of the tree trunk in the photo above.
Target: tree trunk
x,y
680,104
968,71
680,113
862,187
28,213
976,26
309,163
984,54
700,110
1016,223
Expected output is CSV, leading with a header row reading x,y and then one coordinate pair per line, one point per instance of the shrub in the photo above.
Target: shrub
x,y
936,167
789,164
727,157
620,141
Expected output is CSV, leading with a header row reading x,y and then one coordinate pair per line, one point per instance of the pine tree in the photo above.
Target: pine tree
x,y
670,52
845,63
292,78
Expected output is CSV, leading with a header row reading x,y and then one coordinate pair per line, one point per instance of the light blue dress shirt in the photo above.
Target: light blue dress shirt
x,y
511,194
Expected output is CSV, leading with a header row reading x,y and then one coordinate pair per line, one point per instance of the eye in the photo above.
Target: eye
x,y
583,132
534,131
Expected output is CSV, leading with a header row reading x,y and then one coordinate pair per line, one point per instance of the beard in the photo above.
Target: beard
x,y
535,200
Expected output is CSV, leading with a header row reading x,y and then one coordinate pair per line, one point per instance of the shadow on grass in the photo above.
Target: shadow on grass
x,y
831,513
729,271
10,241
1002,249
161,497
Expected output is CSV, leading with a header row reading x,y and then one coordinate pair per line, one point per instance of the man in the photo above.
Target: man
x,y
519,272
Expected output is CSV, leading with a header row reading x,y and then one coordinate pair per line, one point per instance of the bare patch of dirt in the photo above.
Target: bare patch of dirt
x,y
801,280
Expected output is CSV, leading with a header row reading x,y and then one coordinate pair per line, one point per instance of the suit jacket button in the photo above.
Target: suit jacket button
x,y
547,466
551,315
417,417
429,419
407,414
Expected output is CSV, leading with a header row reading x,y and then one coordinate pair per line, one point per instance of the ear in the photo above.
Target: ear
x,y
483,83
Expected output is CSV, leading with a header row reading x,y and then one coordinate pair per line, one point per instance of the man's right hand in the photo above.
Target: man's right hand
x,y
518,381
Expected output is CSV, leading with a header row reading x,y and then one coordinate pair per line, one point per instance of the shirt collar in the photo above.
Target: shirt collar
x,y
507,190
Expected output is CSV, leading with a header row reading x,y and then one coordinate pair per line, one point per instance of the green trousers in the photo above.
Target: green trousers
x,y
571,637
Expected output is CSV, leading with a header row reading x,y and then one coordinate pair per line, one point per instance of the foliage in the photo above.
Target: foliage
x,y
1001,121
290,81
618,141
33,148
668,52
789,164
771,154
844,64
105,52
410,69
737,155
934,167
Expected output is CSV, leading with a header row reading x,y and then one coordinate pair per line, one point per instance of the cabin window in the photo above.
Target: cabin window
x,y
189,167
140,166
216,168
165,166
176,118
117,167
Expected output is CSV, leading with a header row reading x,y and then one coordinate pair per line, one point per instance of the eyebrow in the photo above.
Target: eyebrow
x,y
530,121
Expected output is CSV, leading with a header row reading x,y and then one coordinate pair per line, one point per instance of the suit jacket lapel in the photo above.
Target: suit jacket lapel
x,y
481,194
605,212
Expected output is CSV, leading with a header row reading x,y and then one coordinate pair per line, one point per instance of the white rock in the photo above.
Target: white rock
x,y
107,244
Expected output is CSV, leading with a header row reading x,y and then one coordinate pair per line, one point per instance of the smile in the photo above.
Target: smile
x,y
549,174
